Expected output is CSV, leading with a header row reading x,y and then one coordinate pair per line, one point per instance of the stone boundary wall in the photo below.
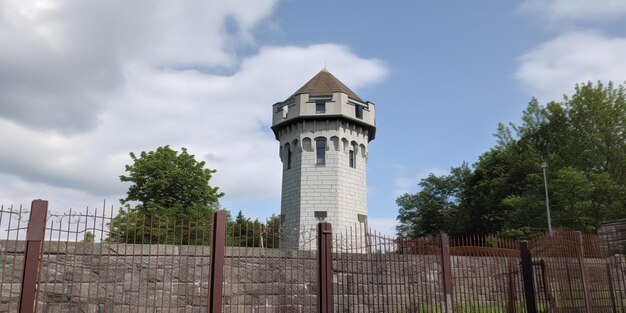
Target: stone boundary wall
x,y
110,277
613,236
106,277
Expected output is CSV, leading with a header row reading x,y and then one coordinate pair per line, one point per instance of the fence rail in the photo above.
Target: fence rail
x,y
105,261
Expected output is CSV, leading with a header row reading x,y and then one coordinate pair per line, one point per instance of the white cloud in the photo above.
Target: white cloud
x,y
60,60
89,82
554,67
22,192
573,10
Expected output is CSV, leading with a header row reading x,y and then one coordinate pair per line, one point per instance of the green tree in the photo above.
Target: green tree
x,y
89,237
436,207
583,140
172,198
243,232
271,232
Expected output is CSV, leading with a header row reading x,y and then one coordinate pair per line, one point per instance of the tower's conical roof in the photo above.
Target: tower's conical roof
x,y
325,84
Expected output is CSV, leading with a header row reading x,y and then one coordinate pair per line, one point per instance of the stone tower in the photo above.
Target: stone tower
x,y
324,129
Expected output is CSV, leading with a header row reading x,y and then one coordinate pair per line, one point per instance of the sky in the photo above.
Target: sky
x,y
84,83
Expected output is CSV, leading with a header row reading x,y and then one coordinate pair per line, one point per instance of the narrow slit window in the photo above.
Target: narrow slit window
x,y
320,149
358,111
288,158
320,106
351,159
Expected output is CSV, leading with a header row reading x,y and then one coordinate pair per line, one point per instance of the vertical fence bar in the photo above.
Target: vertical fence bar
x,y
217,262
446,271
512,267
611,288
527,274
34,243
325,261
583,271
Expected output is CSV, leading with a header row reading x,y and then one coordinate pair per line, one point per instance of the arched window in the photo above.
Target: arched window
x,y
363,151
320,149
352,154
334,140
345,144
306,144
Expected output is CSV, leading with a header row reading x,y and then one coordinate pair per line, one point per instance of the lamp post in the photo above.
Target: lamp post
x,y
544,165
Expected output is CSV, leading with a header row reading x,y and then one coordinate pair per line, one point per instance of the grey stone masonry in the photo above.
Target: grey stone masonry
x,y
101,278
335,188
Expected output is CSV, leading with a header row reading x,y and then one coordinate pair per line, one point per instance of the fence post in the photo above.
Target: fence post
x,y
609,275
32,252
583,272
325,267
511,281
216,284
527,275
446,272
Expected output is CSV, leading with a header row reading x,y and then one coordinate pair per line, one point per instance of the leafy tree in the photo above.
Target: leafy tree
x,y
172,195
436,207
89,237
170,184
582,138
243,232
271,232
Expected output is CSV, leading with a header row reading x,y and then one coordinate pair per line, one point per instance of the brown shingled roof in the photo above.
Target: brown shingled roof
x,y
325,84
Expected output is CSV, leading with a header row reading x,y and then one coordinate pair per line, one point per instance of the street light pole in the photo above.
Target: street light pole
x,y
544,165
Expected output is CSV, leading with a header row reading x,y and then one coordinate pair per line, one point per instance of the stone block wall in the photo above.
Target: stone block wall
x,y
613,236
334,187
79,277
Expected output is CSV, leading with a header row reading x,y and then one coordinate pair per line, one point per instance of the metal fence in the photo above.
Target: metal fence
x,y
260,277
92,262
486,274
106,261
377,273
576,275
13,222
